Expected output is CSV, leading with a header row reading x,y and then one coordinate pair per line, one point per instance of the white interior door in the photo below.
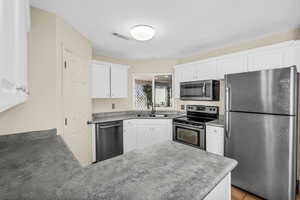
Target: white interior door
x,y
77,106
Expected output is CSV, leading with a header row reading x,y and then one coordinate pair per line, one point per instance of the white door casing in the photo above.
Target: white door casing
x,y
77,106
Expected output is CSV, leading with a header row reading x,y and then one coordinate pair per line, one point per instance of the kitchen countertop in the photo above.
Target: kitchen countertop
x,y
165,171
219,122
125,115
34,165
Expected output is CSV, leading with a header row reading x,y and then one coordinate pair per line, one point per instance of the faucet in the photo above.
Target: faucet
x,y
152,109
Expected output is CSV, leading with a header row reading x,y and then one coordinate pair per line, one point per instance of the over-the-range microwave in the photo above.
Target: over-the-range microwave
x,y
206,90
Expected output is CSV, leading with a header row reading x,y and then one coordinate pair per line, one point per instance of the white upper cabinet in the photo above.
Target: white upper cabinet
x,y
177,79
100,75
198,71
187,73
109,80
231,65
272,57
119,81
297,55
275,56
206,70
14,25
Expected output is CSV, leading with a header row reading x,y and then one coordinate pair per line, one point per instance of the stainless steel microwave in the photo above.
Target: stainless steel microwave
x,y
206,90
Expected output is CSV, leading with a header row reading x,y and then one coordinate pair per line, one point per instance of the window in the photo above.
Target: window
x,y
152,88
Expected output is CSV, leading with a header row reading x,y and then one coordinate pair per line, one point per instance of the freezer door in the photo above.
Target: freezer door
x,y
268,91
264,146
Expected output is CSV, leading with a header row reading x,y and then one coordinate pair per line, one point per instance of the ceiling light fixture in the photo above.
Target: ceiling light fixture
x,y
142,32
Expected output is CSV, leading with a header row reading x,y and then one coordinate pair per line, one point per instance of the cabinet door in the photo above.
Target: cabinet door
x,y
177,80
21,41
231,65
143,135
297,55
215,140
100,75
129,138
205,70
8,19
119,81
222,191
166,131
269,59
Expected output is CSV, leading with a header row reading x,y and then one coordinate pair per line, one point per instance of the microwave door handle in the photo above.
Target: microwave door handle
x,y
203,89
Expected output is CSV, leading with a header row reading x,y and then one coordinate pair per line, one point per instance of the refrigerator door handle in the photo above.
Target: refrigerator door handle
x,y
227,128
227,101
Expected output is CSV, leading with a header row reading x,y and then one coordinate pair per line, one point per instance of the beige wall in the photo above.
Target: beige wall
x,y
79,141
39,111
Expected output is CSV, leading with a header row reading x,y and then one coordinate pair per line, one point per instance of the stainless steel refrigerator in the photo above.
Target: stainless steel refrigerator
x,y
261,131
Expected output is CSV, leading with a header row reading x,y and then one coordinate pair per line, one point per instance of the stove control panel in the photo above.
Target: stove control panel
x,y
203,109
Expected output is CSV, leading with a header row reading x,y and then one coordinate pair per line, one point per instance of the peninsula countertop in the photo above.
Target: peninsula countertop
x,y
164,171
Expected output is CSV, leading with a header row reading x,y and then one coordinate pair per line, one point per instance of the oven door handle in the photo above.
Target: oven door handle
x,y
188,126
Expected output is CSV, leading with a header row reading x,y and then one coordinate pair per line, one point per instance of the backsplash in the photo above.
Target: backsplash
x,y
220,103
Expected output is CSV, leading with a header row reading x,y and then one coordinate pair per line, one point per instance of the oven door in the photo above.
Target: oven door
x,y
196,90
189,134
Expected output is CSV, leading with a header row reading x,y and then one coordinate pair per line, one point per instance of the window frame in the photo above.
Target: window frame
x,y
137,75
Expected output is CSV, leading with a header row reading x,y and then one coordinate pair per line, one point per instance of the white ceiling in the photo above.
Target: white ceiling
x,y
184,27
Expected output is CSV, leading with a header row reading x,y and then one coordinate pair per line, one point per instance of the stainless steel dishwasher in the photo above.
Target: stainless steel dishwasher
x,y
109,140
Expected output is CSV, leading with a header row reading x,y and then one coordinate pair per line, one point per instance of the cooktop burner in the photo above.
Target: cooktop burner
x,y
197,120
199,114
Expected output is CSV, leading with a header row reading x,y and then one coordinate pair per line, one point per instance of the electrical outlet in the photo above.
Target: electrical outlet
x,y
182,107
113,106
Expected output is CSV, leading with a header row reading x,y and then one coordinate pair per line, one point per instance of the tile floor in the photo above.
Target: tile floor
x,y
237,194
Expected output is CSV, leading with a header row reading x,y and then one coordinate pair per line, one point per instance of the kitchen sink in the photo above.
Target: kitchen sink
x,y
152,115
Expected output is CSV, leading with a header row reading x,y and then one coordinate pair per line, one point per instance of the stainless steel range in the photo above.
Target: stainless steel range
x,y
190,129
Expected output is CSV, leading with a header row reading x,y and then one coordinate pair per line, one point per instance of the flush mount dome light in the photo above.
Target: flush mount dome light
x,y
142,32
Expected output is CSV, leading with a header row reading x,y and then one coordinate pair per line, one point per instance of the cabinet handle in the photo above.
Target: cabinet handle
x,y
22,89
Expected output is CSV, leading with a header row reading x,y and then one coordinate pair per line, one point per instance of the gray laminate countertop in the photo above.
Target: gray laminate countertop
x,y
219,122
34,165
164,171
125,115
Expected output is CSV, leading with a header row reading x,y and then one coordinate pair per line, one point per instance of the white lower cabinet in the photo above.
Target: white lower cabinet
x,y
141,133
129,136
222,191
215,140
